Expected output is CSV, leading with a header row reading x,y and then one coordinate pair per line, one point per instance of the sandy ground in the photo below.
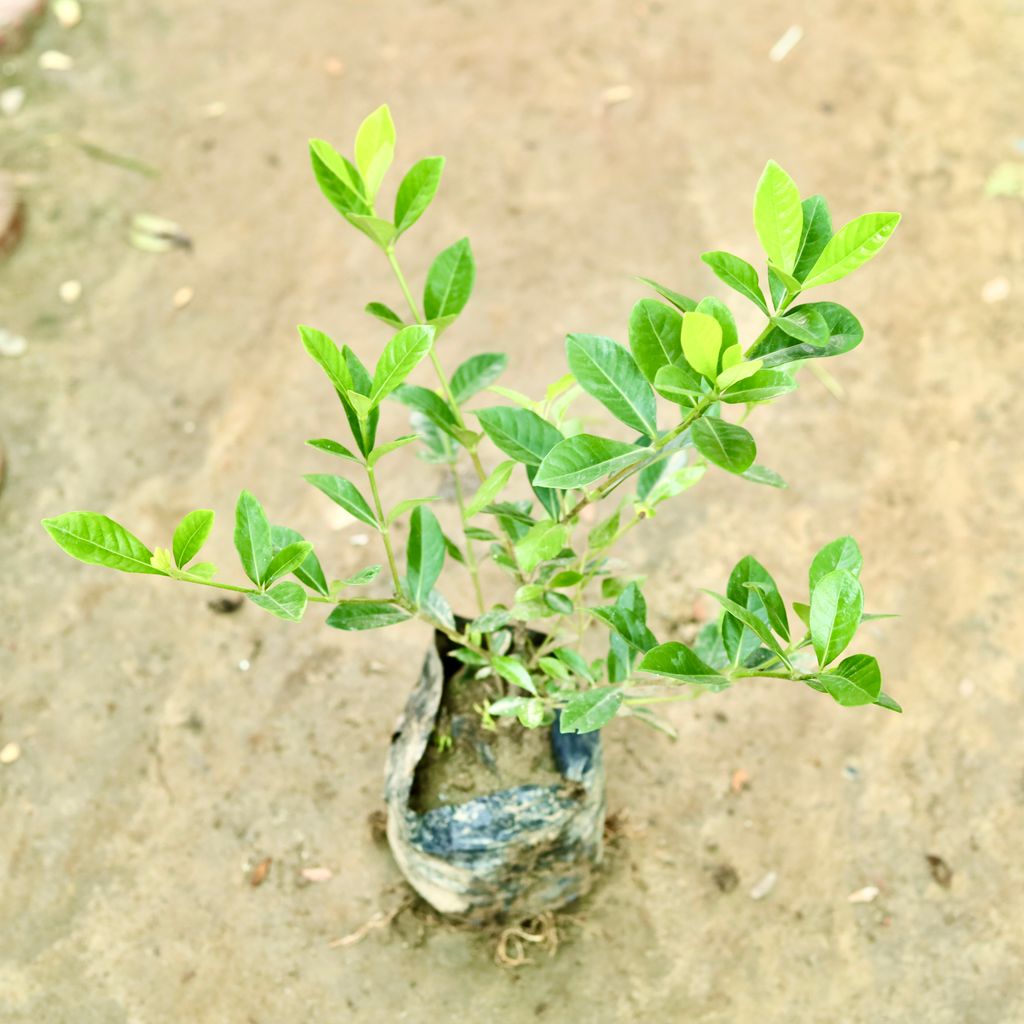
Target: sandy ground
x,y
154,770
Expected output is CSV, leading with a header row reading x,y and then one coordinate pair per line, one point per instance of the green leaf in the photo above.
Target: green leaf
x,y
352,615
678,384
385,314
344,493
399,358
286,560
885,701
764,475
252,537
559,602
836,605
738,274
416,191
702,341
803,611
429,403
377,229
190,535
204,570
519,433
580,460
509,706
532,714
817,230
97,539
325,444
309,571
381,450
841,553
364,429
845,333
286,601
854,681
513,671
737,372
674,483
851,246
773,604
375,147
725,444
576,663
542,541
739,643
339,181
778,216
609,373
805,324
475,374
716,308
359,579
449,281
328,355
681,302
654,332
425,553
490,488
591,710
763,386
677,661
628,619
758,626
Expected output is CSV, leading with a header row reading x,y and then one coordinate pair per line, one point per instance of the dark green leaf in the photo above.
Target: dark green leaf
x,y
620,659
513,671
286,601
845,333
841,553
738,274
605,370
385,314
678,384
806,325
816,232
628,618
772,601
758,626
836,605
589,711
677,661
97,539
654,332
739,642
344,493
287,560
365,431
864,679
725,444
416,191
519,433
475,374
558,602
449,281
425,553
309,571
576,663
429,403
762,386
252,537
580,460
352,615
190,535
681,302
851,246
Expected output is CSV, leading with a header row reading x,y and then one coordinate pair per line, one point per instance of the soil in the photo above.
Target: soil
x,y
165,750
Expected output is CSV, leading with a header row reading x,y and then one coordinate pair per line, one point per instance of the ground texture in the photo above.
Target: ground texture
x,y
154,772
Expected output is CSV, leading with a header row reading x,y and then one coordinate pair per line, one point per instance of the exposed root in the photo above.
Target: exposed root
x,y
379,920
540,931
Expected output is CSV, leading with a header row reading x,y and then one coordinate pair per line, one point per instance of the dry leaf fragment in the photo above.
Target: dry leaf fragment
x,y
616,94
866,895
182,297
941,871
740,780
764,887
157,234
259,873
785,43
995,290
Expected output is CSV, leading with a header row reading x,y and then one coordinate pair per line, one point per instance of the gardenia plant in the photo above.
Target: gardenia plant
x,y
560,584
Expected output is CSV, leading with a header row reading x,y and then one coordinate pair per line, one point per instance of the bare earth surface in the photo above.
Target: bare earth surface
x,y
155,772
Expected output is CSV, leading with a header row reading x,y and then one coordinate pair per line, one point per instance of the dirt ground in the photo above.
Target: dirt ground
x,y
155,770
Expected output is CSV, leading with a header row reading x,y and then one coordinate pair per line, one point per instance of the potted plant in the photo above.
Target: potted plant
x,y
495,785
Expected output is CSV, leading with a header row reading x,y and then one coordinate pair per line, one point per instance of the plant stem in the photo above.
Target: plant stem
x,y
471,562
384,532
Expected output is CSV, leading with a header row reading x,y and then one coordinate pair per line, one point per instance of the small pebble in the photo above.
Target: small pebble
x,y
334,67
616,94
966,687
182,297
851,772
12,100
764,887
70,292
244,665
995,290
359,540
68,12
740,780
217,108
317,874
866,895
12,345
10,753
188,427
377,668
54,60
780,51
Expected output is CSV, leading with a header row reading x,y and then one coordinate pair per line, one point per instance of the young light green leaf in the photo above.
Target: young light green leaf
x,y
508,706
309,571
763,386
339,181
204,570
609,373
590,710
738,274
778,216
404,506
375,147
519,433
286,601
325,444
381,450
328,355
532,714
764,475
252,537
385,314
836,605
513,671
580,460
805,324
359,579
677,661
399,358
737,371
725,444
715,307
344,493
449,281
425,553
475,374
286,560
97,539
190,535
542,541
654,332
702,341
379,231
841,553
358,614
416,191
490,488
852,246
817,230
683,303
